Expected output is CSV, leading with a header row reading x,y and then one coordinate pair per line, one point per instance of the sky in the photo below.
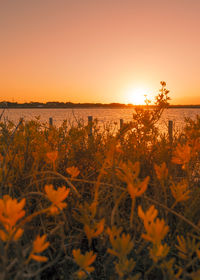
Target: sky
x,y
99,50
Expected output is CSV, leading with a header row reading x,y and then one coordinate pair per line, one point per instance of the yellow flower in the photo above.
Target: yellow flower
x,y
81,274
161,171
84,261
73,171
149,216
137,189
180,191
129,174
56,197
156,229
182,247
121,243
10,212
52,156
159,252
94,231
155,232
39,245
182,155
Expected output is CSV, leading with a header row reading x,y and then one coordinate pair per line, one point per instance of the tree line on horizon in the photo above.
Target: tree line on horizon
x,y
56,104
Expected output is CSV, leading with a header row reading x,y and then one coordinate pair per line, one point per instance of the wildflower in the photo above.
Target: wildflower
x,y
11,212
121,244
187,247
156,229
155,232
129,174
182,155
52,156
39,245
94,231
161,171
84,261
138,189
149,216
180,191
56,197
73,171
159,252
182,247
124,267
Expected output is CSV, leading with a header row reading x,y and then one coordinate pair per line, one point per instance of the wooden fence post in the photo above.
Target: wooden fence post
x,y
121,123
50,121
90,126
170,131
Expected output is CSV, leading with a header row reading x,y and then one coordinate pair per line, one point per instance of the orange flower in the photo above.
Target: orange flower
x,y
39,245
149,216
84,261
159,252
161,171
52,156
138,188
182,155
156,229
121,242
180,191
10,212
155,232
56,197
129,174
182,247
73,171
95,231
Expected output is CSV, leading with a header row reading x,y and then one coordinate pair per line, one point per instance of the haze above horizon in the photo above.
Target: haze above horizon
x,y
99,51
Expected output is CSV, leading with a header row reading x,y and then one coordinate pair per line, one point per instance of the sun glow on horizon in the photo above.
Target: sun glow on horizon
x,y
136,96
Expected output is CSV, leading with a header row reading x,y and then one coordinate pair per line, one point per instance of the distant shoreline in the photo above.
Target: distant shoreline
x,y
70,105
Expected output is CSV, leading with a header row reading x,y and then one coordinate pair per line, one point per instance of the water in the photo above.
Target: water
x,y
104,116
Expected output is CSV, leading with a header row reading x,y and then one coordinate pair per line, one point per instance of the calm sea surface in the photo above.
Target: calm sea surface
x,y
104,116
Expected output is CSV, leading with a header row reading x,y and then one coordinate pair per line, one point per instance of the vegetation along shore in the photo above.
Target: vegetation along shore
x,y
68,105
100,206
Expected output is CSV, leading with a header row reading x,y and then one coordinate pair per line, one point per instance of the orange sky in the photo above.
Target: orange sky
x,y
99,50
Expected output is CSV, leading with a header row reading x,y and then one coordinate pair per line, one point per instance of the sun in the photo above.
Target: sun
x,y
136,96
